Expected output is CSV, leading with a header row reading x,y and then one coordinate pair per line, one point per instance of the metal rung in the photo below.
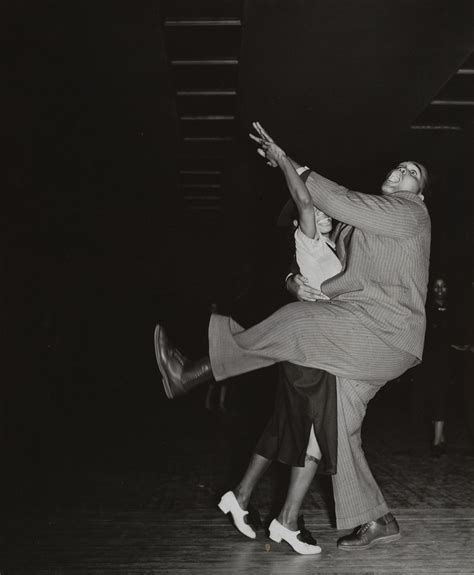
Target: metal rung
x,y
465,71
202,198
182,22
206,93
452,103
206,62
214,206
212,117
202,186
208,139
200,172
434,127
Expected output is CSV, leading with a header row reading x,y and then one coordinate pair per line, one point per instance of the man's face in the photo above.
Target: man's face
x,y
406,177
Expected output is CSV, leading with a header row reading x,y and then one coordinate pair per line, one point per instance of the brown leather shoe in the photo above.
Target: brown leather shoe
x,y
180,375
385,529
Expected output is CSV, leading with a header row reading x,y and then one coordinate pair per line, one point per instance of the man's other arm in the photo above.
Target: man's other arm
x,y
383,215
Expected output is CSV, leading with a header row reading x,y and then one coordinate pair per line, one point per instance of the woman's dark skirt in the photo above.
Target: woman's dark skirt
x,y
305,396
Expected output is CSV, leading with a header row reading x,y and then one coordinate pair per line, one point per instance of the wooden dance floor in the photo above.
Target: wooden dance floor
x,y
138,495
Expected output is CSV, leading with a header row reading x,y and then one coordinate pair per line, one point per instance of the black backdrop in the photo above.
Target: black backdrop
x,y
90,260
85,215
339,82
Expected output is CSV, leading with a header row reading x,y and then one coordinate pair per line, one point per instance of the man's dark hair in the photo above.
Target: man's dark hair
x,y
426,187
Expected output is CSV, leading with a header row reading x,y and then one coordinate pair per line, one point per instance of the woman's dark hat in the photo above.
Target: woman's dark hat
x,y
288,214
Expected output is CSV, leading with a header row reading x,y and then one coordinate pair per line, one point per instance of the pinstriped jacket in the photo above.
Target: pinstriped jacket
x,y
383,243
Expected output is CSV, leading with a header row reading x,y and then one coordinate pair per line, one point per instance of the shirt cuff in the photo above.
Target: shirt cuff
x,y
301,169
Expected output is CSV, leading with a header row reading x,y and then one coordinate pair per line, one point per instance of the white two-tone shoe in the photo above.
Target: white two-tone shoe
x,y
278,533
229,504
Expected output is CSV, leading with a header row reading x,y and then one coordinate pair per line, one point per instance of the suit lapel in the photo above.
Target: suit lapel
x,y
342,236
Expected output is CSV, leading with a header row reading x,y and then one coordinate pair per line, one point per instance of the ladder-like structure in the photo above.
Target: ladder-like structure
x,y
203,41
203,45
453,106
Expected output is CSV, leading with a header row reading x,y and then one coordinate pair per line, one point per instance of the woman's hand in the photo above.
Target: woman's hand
x,y
298,286
268,149
460,347
273,153
264,135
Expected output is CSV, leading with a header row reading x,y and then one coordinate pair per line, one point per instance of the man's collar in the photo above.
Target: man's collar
x,y
405,194
328,241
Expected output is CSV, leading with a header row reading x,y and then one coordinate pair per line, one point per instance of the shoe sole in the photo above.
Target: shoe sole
x,y
315,552
164,377
386,539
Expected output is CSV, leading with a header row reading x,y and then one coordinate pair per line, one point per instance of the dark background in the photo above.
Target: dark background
x,y
98,246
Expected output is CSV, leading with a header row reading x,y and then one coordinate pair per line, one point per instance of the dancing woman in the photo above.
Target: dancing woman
x,y
369,330
302,403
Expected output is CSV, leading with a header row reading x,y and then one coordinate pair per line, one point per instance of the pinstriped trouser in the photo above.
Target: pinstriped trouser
x,y
332,338
322,334
357,496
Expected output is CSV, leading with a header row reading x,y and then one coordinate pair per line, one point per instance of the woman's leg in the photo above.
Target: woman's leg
x,y
438,447
209,394
439,380
222,394
257,467
313,448
438,432
300,481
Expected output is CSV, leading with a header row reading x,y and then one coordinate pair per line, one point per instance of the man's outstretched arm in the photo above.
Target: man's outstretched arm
x,y
384,215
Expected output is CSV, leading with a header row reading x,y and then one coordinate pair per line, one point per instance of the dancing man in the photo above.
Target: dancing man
x,y
369,330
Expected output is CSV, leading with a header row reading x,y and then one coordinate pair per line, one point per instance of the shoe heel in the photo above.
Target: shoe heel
x,y
223,506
